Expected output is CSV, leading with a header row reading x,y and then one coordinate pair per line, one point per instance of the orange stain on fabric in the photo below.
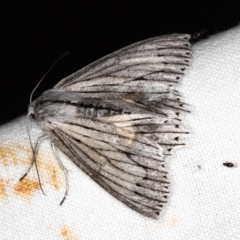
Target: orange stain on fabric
x,y
3,190
171,221
26,188
67,233
52,172
16,155
8,156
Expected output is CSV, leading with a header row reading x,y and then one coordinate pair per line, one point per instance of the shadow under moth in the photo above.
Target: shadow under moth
x,y
119,118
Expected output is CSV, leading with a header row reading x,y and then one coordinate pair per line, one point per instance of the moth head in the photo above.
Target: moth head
x,y
31,111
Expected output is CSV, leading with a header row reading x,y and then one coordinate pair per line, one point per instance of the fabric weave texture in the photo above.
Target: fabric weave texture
x,y
205,194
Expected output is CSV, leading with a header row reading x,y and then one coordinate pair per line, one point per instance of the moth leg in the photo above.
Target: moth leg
x,y
35,150
65,171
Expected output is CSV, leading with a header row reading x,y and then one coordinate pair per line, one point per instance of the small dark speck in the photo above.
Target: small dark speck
x,y
199,167
229,164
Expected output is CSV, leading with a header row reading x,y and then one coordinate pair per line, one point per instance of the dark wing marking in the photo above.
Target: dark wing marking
x,y
147,69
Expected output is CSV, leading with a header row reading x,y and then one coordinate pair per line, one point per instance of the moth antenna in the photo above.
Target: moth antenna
x,y
34,150
46,74
65,171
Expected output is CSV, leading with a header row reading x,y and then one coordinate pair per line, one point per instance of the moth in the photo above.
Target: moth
x,y
119,118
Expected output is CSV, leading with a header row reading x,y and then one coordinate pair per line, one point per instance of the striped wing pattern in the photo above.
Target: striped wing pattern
x,y
123,140
147,69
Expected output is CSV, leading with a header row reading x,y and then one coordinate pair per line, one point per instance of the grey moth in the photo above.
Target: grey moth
x,y
119,118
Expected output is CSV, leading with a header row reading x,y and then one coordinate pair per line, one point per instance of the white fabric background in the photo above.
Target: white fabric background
x,y
205,195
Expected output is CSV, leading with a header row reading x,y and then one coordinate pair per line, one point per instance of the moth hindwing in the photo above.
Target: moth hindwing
x,y
118,119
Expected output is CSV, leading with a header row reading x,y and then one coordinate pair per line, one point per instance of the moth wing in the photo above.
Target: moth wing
x,y
146,69
123,154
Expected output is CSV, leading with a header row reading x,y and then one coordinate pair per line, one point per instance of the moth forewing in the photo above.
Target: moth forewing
x,y
118,119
